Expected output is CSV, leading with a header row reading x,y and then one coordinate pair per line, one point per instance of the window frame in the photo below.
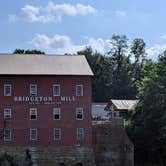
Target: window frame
x,y
59,92
33,92
30,113
36,136
10,136
10,113
82,135
60,134
10,86
82,90
54,113
79,109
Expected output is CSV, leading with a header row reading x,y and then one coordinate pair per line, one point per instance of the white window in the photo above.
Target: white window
x,y
7,90
56,90
57,133
33,89
7,113
80,133
7,135
56,113
33,113
79,113
79,90
33,134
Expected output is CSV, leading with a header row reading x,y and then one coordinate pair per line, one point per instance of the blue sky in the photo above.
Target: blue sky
x,y
59,26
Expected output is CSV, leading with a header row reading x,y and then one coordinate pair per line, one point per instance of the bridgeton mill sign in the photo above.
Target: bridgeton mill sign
x,y
44,99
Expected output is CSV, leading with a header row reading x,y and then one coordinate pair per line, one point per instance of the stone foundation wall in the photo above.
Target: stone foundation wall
x,y
112,146
51,156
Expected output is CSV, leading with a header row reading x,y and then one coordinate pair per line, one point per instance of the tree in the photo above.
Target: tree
x,y
22,51
121,67
148,72
148,123
138,50
138,53
118,49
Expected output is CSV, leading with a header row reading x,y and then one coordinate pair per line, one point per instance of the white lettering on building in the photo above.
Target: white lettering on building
x,y
43,99
67,98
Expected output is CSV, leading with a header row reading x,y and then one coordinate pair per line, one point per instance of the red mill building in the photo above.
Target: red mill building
x,y
45,101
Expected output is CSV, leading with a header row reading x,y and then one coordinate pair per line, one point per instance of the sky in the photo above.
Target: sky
x,y
67,26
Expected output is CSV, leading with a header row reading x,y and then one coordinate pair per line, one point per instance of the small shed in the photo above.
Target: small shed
x,y
120,108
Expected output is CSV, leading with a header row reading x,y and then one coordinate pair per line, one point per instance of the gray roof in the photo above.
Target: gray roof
x,y
32,64
124,104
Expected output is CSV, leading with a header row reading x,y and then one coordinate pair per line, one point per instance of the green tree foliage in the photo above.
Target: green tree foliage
x,y
148,123
113,74
118,49
138,50
138,54
22,51
121,86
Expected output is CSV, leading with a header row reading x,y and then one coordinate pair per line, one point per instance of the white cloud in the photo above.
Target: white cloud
x,y
120,13
61,44
163,36
100,45
12,18
55,12
155,50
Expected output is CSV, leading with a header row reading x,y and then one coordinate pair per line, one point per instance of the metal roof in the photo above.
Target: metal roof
x,y
124,104
35,64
